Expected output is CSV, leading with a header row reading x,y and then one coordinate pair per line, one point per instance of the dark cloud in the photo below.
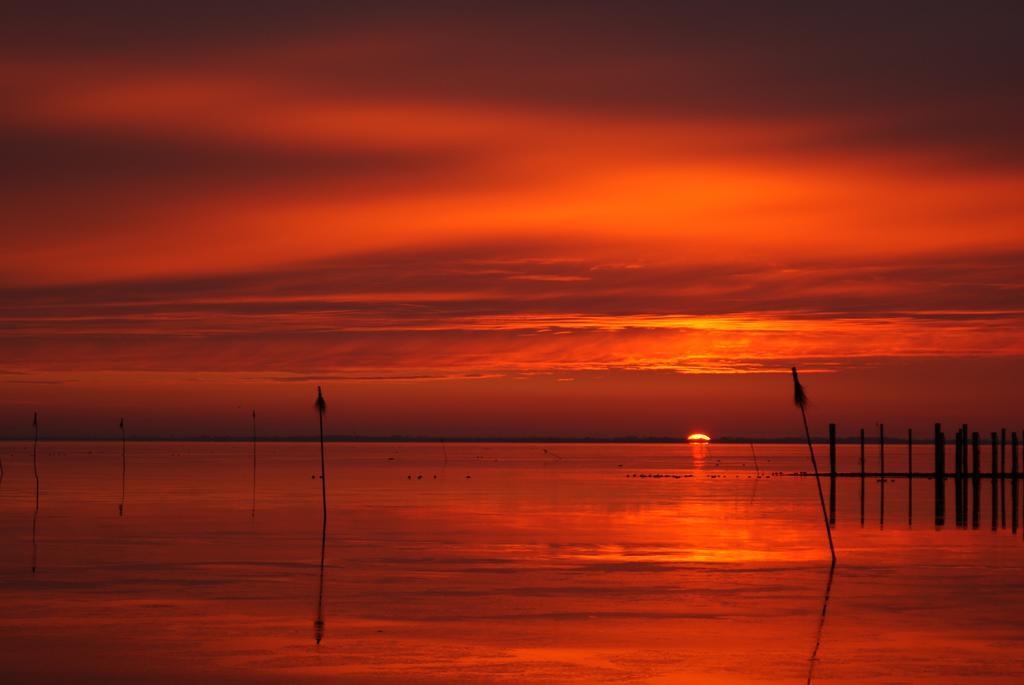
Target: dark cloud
x,y
481,309
118,162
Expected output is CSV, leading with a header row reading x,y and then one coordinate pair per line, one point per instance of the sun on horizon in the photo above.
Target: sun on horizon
x,y
698,437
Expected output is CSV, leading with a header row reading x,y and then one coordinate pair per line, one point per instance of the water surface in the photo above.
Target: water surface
x,y
518,563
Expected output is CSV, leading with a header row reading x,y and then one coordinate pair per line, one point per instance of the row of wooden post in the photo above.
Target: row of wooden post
x,y
967,473
962,467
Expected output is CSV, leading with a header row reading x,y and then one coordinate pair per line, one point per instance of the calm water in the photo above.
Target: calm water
x,y
508,564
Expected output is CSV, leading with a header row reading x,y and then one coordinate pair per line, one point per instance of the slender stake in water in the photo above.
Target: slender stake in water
x,y
318,624
800,398
321,409
253,513
35,470
124,468
35,443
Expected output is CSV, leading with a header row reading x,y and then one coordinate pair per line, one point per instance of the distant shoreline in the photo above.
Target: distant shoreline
x,y
625,440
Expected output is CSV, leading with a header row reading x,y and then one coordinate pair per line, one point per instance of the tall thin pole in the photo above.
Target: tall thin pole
x,y
253,513
321,408
1002,452
910,476
881,448
861,452
800,397
35,443
318,624
124,468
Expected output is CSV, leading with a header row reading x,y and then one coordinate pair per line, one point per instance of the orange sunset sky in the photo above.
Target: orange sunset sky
x,y
482,219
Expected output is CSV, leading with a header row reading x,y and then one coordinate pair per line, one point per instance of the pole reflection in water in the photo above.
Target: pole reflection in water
x,y
1002,503
832,501
957,503
995,504
35,518
862,501
35,471
910,477
1016,504
881,504
976,501
821,624
318,624
910,502
124,468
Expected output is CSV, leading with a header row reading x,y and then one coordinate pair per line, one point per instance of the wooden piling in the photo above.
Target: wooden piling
x,y
861,452
832,450
976,453
1013,453
910,478
956,455
995,455
963,454
940,480
832,500
976,502
910,452
1002,452
881,449
956,479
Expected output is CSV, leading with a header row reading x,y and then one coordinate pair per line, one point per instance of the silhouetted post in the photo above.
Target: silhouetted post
x,y
910,477
976,502
321,408
1002,479
1016,505
957,495
995,456
881,447
35,444
940,477
956,455
862,501
995,503
832,500
1013,455
976,454
862,453
124,468
995,479
252,514
832,450
1002,453
800,399
963,453
910,452
881,504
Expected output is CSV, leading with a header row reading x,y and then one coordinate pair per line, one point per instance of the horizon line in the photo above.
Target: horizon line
x,y
626,439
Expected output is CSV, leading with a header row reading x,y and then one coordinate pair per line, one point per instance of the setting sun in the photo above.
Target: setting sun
x,y
699,437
